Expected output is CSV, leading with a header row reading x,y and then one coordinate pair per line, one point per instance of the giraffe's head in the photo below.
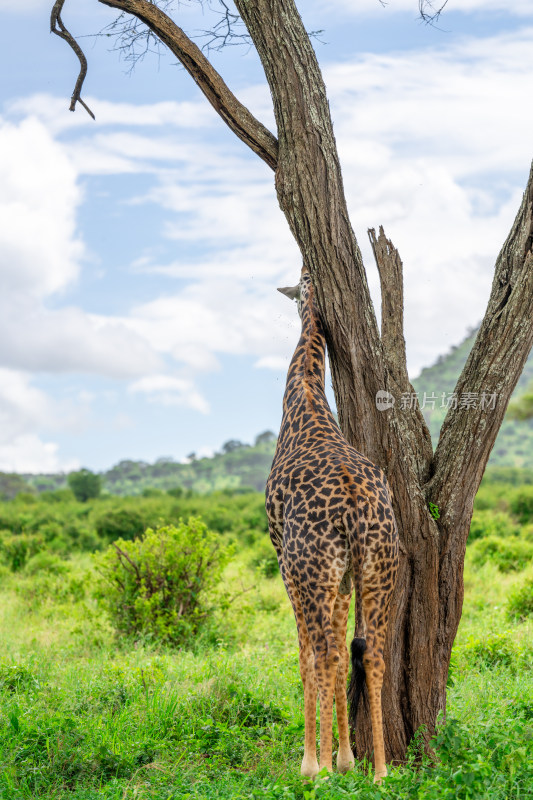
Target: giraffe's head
x,y
301,291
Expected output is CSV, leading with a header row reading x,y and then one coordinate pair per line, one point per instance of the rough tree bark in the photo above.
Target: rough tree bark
x,y
428,600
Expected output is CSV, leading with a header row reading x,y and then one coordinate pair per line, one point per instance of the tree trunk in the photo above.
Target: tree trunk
x,y
428,600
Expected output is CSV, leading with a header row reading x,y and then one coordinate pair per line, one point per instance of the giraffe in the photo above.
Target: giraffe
x,y
332,525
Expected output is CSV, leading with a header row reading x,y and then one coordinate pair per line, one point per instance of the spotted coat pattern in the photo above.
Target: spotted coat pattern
x,y
331,522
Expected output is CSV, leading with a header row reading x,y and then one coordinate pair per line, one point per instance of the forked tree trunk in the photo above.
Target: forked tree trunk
x,y
428,600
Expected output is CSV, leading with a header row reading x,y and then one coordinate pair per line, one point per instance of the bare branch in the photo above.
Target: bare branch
x,y
410,421
57,27
225,33
234,113
390,270
428,12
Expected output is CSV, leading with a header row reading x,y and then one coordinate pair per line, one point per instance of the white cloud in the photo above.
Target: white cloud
x,y
39,248
24,409
272,362
169,391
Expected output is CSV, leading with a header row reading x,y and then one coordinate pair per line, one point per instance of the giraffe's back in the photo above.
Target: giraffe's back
x,y
329,510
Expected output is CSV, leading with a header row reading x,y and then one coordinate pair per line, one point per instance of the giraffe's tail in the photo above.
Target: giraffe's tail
x,y
357,683
357,679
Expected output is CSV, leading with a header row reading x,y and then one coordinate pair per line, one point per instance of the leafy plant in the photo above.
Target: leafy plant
x,y
520,602
507,554
159,585
122,523
492,523
521,503
16,549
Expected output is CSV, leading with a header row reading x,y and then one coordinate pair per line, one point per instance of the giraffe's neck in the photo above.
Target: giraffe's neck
x,y
304,403
307,367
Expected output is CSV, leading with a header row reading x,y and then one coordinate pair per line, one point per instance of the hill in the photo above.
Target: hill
x,y
514,445
237,466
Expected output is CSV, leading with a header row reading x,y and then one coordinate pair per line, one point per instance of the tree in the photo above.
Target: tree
x,y
12,484
84,484
232,445
267,437
434,491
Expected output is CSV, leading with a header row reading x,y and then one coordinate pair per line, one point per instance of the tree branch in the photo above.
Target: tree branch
x,y
234,113
409,422
57,27
491,372
390,270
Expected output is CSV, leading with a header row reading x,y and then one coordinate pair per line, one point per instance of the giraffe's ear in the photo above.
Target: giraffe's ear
x,y
292,292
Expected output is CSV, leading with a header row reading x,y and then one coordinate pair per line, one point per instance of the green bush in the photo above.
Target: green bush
x,y
265,560
46,562
124,523
492,523
159,585
507,554
521,504
520,602
57,496
16,549
495,649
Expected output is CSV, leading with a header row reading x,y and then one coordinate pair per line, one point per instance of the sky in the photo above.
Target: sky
x,y
140,252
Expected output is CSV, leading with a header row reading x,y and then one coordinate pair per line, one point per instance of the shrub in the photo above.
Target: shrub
x,y
16,549
46,562
265,560
57,496
159,585
121,524
507,554
490,523
520,602
521,504
496,649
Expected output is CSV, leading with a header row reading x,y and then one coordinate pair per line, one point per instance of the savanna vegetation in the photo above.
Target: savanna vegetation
x,y
148,651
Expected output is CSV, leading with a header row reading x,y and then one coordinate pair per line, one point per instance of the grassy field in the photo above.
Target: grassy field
x,y
84,714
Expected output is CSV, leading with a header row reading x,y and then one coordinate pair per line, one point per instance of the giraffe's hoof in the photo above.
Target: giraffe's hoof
x,y
378,777
309,768
345,762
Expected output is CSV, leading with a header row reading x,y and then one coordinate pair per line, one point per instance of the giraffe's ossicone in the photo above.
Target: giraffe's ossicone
x,y
331,522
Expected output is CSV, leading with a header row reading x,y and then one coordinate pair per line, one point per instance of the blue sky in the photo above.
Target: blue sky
x,y
139,254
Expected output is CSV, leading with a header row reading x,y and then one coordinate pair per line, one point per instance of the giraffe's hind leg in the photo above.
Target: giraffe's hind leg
x,y
345,759
374,664
309,766
326,661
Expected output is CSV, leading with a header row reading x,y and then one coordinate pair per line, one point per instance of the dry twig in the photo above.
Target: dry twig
x,y
57,27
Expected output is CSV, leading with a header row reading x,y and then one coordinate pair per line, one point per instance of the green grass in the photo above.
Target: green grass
x,y
84,715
